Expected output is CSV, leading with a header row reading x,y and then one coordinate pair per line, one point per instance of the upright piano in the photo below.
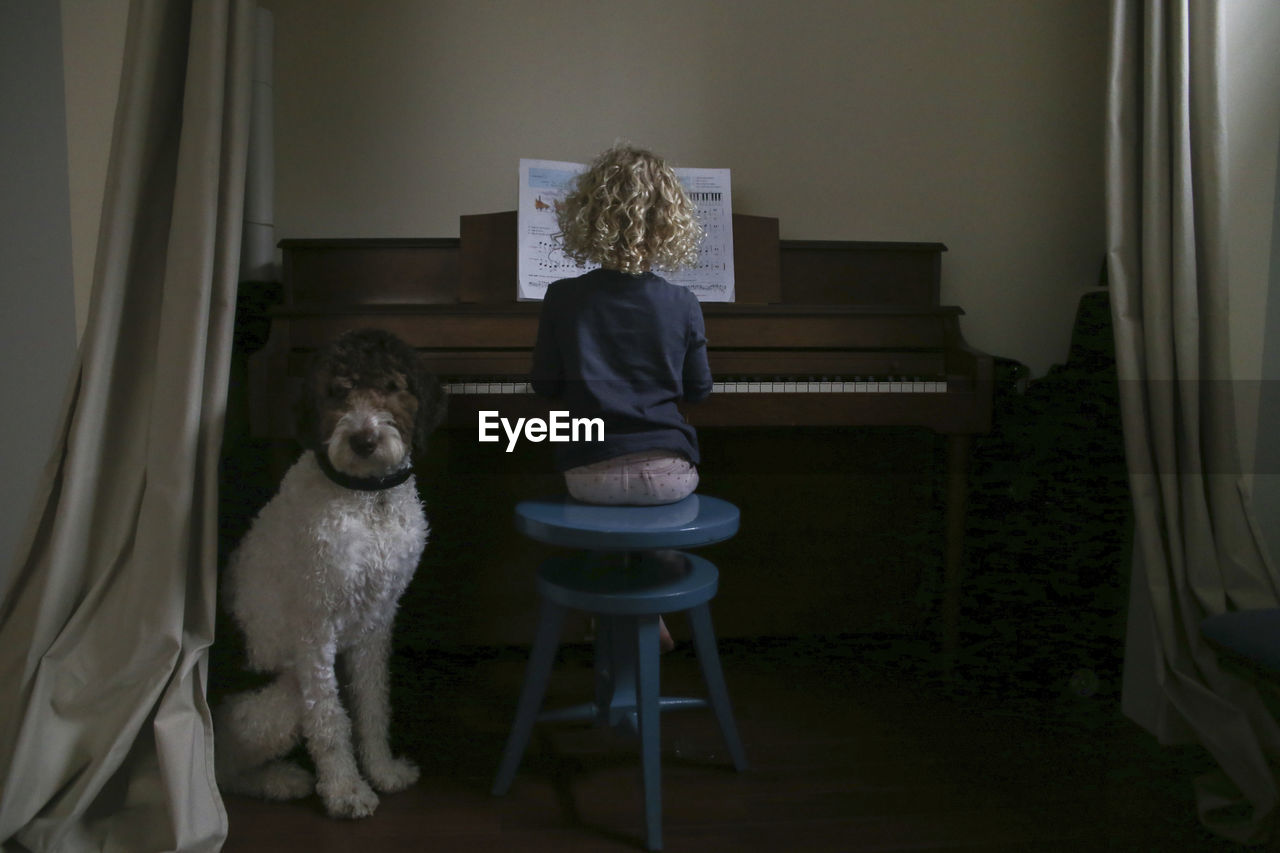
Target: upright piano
x,y
822,333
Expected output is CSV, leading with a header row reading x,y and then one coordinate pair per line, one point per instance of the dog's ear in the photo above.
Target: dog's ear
x,y
433,403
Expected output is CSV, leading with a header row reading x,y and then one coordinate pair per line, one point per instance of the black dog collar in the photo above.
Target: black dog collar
x,y
362,484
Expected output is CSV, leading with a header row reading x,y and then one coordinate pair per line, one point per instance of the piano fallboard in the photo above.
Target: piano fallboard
x,y
729,325
845,342
937,411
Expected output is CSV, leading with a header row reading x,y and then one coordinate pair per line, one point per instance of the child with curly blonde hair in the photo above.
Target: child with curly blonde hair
x,y
621,343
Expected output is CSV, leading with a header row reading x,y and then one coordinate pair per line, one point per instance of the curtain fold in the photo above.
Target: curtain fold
x,y
1195,547
104,629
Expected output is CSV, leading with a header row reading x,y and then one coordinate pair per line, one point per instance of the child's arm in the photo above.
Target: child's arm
x,y
697,372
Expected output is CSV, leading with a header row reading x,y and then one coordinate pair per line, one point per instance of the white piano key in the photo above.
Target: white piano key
x,y
738,385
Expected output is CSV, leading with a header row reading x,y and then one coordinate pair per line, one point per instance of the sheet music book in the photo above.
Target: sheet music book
x,y
544,183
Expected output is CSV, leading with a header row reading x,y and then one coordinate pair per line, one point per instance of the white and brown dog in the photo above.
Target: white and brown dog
x,y
318,577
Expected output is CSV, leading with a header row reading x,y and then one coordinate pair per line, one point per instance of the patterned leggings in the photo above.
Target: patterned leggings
x,y
640,479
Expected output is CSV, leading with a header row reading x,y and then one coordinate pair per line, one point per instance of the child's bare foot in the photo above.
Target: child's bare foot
x,y
665,643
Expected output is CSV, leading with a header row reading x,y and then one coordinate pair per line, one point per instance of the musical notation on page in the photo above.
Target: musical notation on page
x,y
545,183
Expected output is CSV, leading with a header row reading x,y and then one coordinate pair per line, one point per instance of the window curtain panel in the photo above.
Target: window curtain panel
x,y
105,734
1196,548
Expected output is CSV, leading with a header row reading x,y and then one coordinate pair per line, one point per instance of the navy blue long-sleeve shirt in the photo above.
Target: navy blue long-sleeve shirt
x,y
624,348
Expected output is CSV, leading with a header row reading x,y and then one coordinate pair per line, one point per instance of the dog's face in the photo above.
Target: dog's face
x,y
369,403
369,426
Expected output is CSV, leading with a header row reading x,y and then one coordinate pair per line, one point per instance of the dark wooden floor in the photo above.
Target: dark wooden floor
x,y
856,744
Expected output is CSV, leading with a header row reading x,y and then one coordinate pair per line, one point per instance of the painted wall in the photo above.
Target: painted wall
x,y
37,328
978,124
1252,32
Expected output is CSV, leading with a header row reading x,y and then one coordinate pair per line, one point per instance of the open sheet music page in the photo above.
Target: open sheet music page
x,y
543,183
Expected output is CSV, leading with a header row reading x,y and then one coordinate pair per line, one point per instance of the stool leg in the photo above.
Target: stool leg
x,y
605,668
616,670
647,711
536,676
704,643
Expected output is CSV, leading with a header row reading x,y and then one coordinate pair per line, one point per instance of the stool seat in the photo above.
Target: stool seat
x,y
640,584
696,520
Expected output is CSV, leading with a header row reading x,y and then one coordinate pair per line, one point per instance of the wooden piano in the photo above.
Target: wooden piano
x,y
822,333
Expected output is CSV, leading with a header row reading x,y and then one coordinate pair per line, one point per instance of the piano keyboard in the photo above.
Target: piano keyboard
x,y
774,385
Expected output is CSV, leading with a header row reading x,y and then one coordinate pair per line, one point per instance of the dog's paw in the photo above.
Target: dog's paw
x,y
282,780
347,797
393,775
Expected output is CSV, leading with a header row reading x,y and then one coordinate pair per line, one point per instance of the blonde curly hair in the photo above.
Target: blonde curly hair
x,y
629,212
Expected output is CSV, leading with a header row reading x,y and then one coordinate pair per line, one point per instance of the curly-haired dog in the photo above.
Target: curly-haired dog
x,y
319,574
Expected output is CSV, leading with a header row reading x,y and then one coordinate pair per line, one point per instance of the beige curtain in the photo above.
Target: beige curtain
x,y
1196,551
105,739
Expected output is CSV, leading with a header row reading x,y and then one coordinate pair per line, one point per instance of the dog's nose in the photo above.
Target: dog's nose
x,y
363,443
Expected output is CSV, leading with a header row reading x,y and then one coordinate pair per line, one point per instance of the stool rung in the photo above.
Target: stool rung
x,y
631,718
590,711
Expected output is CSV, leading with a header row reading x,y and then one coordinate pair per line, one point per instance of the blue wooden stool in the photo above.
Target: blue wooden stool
x,y
626,576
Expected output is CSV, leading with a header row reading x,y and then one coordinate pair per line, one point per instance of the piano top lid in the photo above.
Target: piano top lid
x,y
863,245
290,243
532,309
